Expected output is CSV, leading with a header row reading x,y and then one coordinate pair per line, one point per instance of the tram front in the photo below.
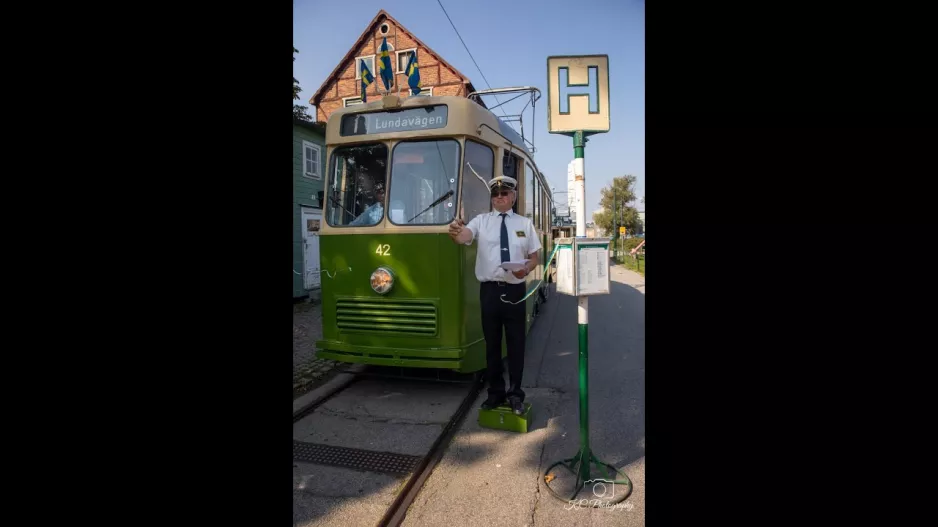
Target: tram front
x,y
395,288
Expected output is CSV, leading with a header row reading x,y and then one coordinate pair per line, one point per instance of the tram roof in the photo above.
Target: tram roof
x,y
464,117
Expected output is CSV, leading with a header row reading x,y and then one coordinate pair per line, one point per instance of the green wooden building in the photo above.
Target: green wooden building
x,y
309,166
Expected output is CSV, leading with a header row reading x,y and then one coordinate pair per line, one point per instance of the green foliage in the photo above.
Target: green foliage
x,y
631,243
634,262
615,199
299,111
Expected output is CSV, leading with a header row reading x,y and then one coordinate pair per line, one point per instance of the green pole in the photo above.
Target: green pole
x,y
584,403
579,142
580,463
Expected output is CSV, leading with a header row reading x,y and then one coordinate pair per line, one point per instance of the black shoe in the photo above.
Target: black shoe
x,y
493,401
516,405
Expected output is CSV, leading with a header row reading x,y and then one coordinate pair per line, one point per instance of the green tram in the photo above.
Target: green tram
x,y
396,289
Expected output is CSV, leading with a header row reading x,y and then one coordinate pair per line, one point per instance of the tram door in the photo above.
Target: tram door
x,y
310,229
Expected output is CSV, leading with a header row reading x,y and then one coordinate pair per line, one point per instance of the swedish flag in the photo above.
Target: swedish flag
x,y
367,79
384,65
413,74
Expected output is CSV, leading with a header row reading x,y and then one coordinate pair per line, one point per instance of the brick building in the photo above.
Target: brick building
x,y
342,87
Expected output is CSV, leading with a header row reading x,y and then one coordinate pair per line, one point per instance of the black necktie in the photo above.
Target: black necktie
x,y
505,253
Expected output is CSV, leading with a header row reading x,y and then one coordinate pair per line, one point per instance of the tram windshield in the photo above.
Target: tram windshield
x,y
424,182
355,192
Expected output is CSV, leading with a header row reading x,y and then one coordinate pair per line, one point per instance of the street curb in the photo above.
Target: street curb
x,y
321,392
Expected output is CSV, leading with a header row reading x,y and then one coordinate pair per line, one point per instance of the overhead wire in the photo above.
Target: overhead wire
x,y
500,103
470,53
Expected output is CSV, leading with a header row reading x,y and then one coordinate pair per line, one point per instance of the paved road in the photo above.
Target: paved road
x,y
495,478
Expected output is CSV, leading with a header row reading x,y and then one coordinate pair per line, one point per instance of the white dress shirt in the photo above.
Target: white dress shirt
x,y
371,216
487,229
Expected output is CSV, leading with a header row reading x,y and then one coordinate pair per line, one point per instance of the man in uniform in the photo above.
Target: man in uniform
x,y
373,214
503,236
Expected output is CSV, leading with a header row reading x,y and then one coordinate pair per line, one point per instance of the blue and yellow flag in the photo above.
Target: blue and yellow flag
x,y
384,65
367,79
413,74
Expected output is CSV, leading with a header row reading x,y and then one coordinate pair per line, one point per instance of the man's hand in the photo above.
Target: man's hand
x,y
528,267
459,233
455,228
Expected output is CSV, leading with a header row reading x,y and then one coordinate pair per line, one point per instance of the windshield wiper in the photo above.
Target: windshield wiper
x,y
434,204
337,202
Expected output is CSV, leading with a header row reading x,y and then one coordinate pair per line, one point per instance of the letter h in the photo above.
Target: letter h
x,y
590,90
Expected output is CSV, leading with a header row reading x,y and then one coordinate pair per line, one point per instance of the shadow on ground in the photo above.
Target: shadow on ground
x,y
496,478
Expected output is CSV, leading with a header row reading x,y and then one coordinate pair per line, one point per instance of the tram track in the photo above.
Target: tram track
x,y
317,402
417,470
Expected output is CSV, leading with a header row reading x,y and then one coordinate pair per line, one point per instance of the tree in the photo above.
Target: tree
x,y
299,111
616,197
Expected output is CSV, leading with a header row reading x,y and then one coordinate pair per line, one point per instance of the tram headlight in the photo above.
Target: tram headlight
x,y
382,280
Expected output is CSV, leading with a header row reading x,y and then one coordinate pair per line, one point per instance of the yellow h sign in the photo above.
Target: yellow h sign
x,y
622,230
578,94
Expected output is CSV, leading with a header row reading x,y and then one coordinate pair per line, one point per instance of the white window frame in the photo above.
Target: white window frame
x,y
358,66
351,101
374,67
423,92
317,165
402,69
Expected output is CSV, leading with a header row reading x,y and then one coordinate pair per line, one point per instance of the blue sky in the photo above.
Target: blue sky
x,y
510,41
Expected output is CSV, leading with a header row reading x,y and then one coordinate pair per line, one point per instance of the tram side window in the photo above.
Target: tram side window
x,y
542,209
509,165
510,168
476,198
535,191
529,192
552,217
545,206
424,182
357,184
537,203
546,213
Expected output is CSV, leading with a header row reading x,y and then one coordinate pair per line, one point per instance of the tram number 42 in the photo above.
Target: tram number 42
x,y
383,250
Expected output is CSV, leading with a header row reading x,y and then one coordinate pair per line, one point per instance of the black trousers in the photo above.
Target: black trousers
x,y
496,316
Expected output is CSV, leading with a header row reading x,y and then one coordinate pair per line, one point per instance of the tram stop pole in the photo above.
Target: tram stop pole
x,y
582,308
586,122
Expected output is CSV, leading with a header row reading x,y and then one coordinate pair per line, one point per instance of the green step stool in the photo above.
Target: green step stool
x,y
502,418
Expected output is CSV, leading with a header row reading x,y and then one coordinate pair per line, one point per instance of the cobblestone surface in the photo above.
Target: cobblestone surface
x,y
308,370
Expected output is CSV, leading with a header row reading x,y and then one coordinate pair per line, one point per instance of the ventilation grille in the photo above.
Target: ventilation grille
x,y
368,316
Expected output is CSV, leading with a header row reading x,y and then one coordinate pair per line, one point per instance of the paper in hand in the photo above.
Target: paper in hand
x,y
514,265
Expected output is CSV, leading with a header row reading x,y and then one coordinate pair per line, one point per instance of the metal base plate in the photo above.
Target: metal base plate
x,y
337,456
502,418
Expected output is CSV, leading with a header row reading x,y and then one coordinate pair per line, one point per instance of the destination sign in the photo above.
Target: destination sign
x,y
423,118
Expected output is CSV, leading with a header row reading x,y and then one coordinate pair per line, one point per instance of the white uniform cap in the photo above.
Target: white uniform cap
x,y
503,182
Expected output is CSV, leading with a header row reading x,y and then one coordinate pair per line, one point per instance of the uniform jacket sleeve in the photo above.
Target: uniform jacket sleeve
x,y
473,227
